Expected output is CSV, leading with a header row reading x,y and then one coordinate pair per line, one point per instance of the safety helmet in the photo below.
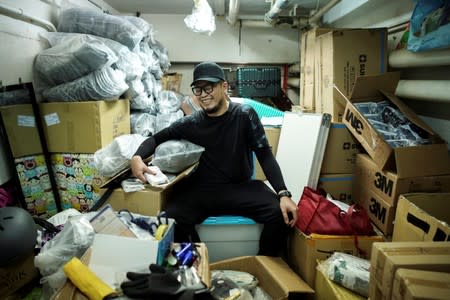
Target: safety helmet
x,y
17,234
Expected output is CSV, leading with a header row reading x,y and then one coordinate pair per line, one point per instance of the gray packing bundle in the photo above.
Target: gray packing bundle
x,y
142,102
127,61
143,26
168,102
142,123
161,53
164,120
73,58
103,84
90,21
176,155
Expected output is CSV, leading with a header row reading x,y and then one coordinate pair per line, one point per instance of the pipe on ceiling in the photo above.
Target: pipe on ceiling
x,y
17,13
233,11
407,59
275,10
424,90
316,17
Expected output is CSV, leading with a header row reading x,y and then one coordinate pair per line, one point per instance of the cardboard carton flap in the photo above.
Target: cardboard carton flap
x,y
286,278
369,86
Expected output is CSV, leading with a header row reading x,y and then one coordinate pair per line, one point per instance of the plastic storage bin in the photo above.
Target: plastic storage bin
x,y
258,82
229,236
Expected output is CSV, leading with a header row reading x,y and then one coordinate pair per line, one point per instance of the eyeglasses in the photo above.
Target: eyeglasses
x,y
197,90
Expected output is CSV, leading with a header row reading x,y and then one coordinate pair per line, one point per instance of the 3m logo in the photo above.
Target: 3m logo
x,y
383,184
354,121
362,64
377,210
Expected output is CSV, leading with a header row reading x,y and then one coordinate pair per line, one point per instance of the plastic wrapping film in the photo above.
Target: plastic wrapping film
x,y
115,156
176,155
76,57
103,84
391,125
168,102
348,271
142,123
94,22
164,120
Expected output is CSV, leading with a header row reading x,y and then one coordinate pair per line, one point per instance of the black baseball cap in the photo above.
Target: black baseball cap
x,y
208,71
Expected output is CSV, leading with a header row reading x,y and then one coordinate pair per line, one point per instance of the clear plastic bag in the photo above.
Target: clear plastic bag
x,y
202,18
348,271
142,123
116,156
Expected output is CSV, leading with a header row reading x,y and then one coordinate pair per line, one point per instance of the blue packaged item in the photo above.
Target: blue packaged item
x,y
429,26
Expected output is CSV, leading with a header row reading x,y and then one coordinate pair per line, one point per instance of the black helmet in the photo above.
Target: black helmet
x,y
17,234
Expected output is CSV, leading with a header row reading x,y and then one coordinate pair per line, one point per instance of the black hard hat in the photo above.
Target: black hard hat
x,y
208,71
17,234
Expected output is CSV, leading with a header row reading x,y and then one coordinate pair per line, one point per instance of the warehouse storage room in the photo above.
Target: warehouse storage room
x,y
224,149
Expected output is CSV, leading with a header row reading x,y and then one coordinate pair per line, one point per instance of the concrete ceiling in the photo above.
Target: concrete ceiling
x,y
247,8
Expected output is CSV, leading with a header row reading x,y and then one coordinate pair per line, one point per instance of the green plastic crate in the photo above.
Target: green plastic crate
x,y
258,82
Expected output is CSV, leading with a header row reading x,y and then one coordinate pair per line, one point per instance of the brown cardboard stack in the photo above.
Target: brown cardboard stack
x,y
341,57
387,258
273,135
386,172
307,68
411,284
422,217
336,174
305,250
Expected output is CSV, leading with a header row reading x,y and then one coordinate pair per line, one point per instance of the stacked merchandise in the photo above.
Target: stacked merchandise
x,y
328,64
26,149
82,80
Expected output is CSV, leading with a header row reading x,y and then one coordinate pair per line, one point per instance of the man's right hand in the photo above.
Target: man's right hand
x,y
139,167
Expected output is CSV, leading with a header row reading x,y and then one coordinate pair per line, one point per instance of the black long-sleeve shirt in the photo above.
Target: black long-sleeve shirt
x,y
228,140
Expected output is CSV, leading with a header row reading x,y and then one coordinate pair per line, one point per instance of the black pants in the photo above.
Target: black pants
x,y
191,203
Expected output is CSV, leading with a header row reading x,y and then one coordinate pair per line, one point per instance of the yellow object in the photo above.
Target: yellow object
x,y
86,280
160,231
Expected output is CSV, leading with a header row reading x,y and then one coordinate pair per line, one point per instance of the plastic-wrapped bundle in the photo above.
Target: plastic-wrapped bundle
x,y
127,61
164,120
142,25
145,54
73,58
168,101
136,87
162,54
176,155
349,271
103,84
142,123
147,81
143,102
90,21
15,97
157,87
114,157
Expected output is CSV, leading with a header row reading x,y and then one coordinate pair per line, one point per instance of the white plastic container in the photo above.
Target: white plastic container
x,y
229,236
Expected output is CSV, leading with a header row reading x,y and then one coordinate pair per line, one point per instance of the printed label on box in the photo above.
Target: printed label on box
x,y
52,119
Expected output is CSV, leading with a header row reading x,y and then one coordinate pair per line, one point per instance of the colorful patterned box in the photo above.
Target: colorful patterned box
x,y
77,180
36,186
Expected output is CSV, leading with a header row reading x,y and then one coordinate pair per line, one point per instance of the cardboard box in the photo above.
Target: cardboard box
x,y
340,151
388,257
378,191
343,55
304,250
84,127
172,82
421,217
274,275
21,129
326,289
410,284
415,161
339,186
390,185
273,135
307,67
149,201
381,213
17,275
